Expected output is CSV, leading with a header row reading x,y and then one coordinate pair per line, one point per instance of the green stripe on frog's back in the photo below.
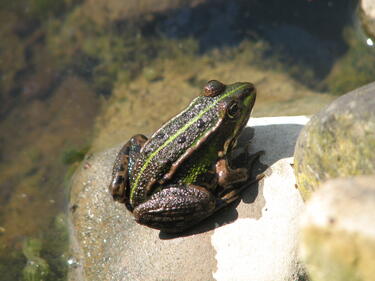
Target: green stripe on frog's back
x,y
178,133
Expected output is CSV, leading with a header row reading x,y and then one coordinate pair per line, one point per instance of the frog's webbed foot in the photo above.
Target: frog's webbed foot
x,y
176,208
120,172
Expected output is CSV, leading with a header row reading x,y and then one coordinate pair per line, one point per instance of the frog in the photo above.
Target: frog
x,y
183,174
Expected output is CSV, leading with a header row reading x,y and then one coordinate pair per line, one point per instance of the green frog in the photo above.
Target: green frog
x,y
182,174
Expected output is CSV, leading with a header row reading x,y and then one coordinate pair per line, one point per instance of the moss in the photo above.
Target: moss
x,y
72,158
55,248
68,176
36,267
306,185
331,150
46,257
31,247
72,155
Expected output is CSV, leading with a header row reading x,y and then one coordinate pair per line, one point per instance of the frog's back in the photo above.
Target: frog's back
x,y
170,145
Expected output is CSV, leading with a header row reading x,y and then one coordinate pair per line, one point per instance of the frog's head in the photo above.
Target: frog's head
x,y
234,105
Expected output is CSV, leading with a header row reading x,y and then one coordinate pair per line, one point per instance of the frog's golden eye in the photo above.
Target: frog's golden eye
x,y
213,88
233,110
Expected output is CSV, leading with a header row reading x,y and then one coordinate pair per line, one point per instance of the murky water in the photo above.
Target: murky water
x,y
83,75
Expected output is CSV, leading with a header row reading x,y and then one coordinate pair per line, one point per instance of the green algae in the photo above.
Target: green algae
x,y
331,150
73,155
43,257
36,268
52,247
56,247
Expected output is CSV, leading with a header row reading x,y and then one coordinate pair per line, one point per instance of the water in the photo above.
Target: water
x,y
79,76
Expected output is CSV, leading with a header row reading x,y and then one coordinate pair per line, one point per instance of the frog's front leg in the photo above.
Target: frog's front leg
x,y
119,186
227,177
176,208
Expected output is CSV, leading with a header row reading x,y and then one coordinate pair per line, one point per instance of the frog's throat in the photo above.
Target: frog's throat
x,y
179,132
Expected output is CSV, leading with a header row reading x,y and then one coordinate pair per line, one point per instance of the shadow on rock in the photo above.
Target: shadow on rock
x,y
222,217
279,139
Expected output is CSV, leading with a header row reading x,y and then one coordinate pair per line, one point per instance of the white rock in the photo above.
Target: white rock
x,y
263,249
253,240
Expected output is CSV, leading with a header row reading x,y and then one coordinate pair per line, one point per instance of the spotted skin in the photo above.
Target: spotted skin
x,y
179,175
122,167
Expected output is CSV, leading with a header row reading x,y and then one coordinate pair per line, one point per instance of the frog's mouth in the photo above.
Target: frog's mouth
x,y
247,97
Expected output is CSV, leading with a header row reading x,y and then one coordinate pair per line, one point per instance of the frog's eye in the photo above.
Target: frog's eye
x,y
233,110
213,88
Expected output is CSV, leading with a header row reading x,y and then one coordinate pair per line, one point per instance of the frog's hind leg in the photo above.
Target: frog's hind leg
x,y
176,208
119,186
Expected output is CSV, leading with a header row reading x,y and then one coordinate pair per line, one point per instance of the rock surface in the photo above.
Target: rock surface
x,y
339,141
254,239
368,15
338,231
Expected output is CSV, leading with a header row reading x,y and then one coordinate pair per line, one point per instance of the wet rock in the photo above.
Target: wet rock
x,y
368,15
254,239
338,230
339,141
